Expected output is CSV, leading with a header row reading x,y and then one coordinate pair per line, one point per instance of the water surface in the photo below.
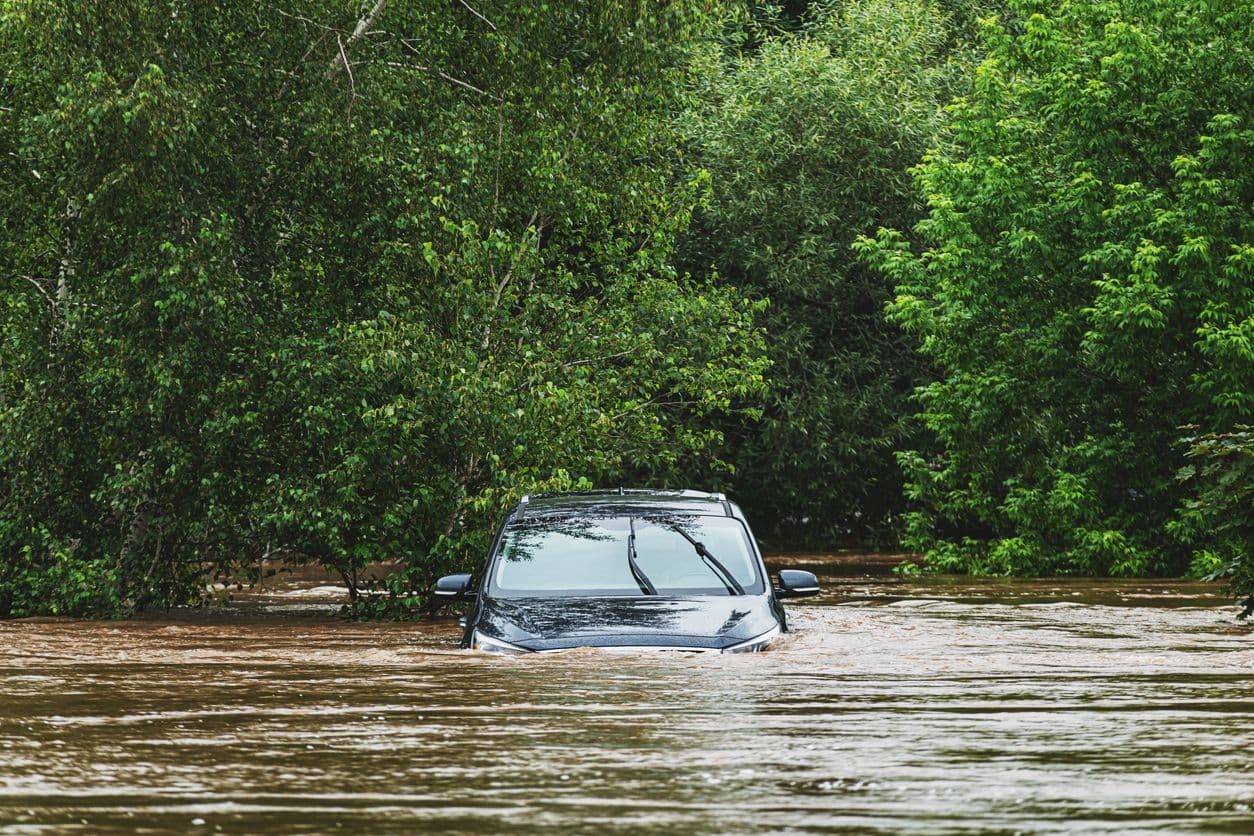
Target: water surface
x,y
943,706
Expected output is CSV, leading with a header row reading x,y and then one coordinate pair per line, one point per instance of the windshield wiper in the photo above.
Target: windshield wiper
x,y
646,585
729,581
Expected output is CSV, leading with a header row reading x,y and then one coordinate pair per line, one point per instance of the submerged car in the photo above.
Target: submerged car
x,y
672,570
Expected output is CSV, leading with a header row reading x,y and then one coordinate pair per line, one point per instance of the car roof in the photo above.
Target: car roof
x,y
600,502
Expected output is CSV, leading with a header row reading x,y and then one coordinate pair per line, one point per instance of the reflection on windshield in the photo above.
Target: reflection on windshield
x,y
568,555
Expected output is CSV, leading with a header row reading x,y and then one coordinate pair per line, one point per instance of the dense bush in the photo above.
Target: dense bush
x,y
808,136
335,283
1220,514
1086,287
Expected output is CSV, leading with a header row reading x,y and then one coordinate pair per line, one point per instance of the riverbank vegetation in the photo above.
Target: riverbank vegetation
x,y
338,281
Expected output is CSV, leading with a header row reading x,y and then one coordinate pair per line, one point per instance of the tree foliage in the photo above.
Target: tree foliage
x,y
338,279
1086,286
1220,514
335,281
808,139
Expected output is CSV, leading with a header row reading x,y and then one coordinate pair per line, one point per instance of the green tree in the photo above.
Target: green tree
x,y
1220,514
1086,287
808,139
335,283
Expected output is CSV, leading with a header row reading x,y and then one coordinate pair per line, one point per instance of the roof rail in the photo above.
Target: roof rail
x,y
717,497
620,491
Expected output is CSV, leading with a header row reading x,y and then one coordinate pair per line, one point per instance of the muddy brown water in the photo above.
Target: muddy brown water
x,y
933,705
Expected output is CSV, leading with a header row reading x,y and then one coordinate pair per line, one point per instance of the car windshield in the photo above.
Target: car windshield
x,y
554,555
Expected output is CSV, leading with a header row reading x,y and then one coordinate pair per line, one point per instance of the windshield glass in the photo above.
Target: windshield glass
x,y
580,555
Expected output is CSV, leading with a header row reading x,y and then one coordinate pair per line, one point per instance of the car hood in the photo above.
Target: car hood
x,y
698,622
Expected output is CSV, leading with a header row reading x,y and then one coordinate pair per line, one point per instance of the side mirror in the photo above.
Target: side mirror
x,y
453,586
796,583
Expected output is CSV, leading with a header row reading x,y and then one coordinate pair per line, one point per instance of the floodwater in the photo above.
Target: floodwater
x,y
933,705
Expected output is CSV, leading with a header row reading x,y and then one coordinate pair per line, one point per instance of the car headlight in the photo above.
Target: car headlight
x,y
487,644
755,644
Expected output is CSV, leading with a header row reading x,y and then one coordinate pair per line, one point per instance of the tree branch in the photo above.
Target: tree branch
x,y
652,402
466,5
450,79
352,82
509,274
340,62
52,303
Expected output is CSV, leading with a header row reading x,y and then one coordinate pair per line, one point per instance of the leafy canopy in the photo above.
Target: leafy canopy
x,y
808,138
1086,285
336,283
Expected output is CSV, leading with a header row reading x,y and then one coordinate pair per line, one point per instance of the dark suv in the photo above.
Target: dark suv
x,y
675,570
